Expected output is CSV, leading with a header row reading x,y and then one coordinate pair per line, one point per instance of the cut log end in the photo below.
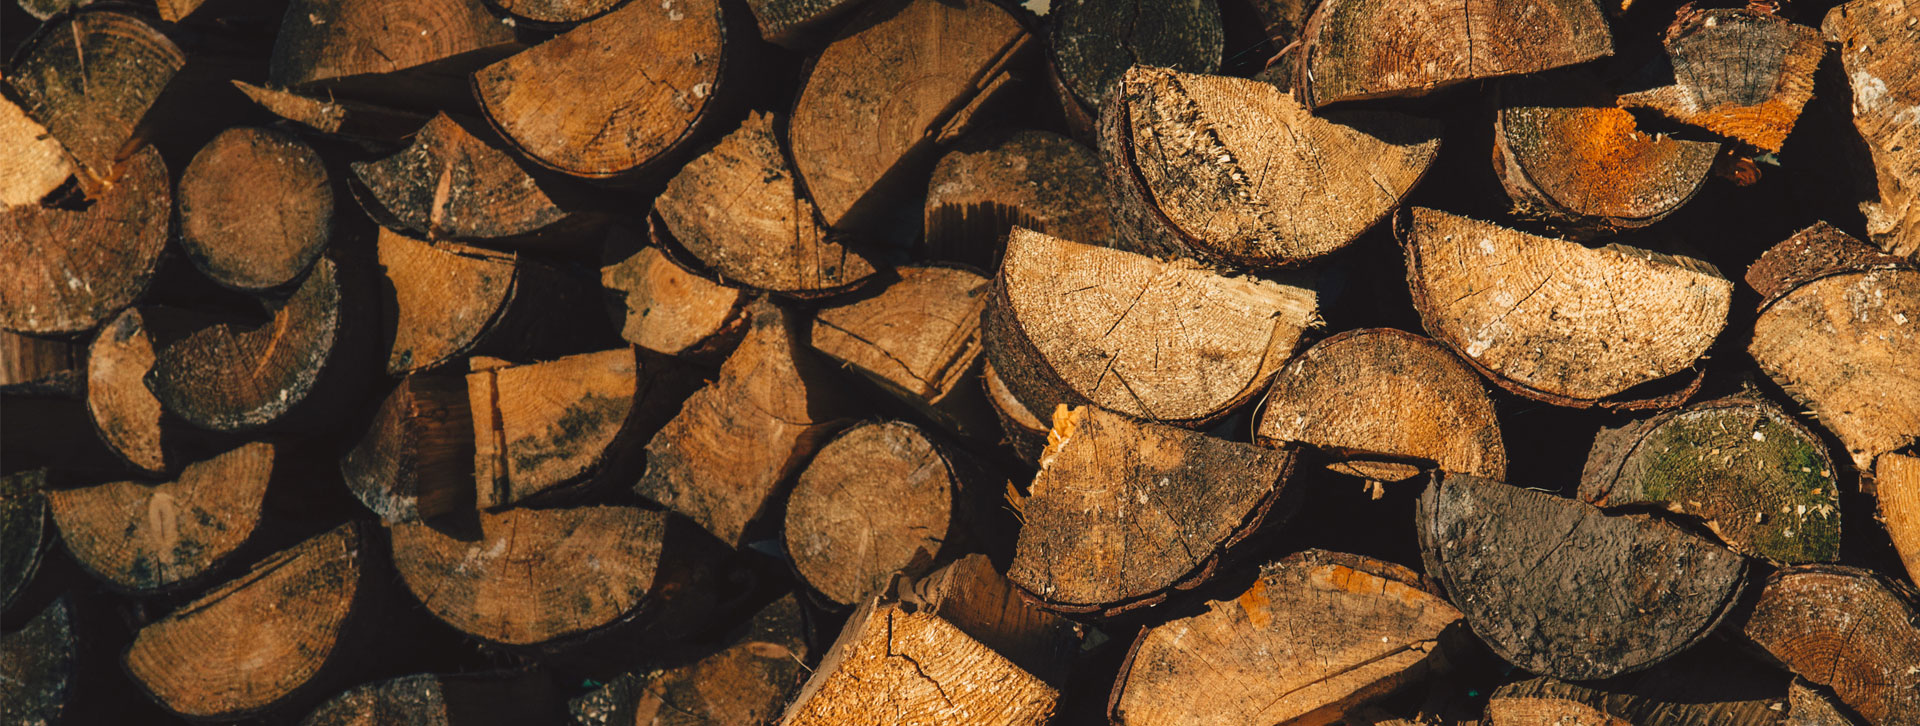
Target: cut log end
x,y
1847,629
256,208
666,308
147,536
71,270
1741,73
879,499
125,413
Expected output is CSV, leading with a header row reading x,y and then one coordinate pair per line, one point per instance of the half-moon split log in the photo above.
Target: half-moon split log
x,y
1553,320
1879,47
1074,324
1896,485
71,270
1124,510
1385,402
1839,329
337,116
666,308
283,630
1025,432
1356,49
415,459
446,300
1316,635
919,338
535,576
37,164
89,78
1738,72
432,699
878,499
1849,629
903,78
1555,586
1762,482
39,665
256,208
738,209
414,54
575,422
733,445
797,24
615,93
1566,153
454,183
130,420
24,529
143,536
1236,169
1039,180
1708,694
746,681
1092,43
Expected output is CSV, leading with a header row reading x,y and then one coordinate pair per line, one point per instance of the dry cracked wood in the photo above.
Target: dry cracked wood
x,y
1385,403
344,117
1068,323
71,270
1879,45
37,164
1317,634
415,459
1762,482
444,300
1896,486
1236,169
407,54
1848,629
919,338
1124,510
256,208
1557,321
1092,43
972,595
90,78
982,189
1558,588
666,308
746,681
430,699
1738,72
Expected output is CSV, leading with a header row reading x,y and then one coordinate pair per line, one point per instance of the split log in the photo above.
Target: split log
x,y
981,190
1385,403
1759,480
884,96
256,208
38,664
1839,329
1848,629
919,338
145,536
335,116
1075,324
1236,169
797,24
38,164
89,78
1809,706
1025,432
24,359
130,420
1554,586
24,531
1092,43
280,632
746,681
71,270
453,182
1896,486
410,55
728,452
1358,49
572,424
556,12
615,94
431,699
1741,73
1567,154
879,499
1316,635
444,300
972,595
1879,44
738,209
1646,703
666,308
544,576
1559,322
416,458
1123,510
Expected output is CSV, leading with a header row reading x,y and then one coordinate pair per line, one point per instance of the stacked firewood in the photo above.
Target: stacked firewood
x,y
1238,362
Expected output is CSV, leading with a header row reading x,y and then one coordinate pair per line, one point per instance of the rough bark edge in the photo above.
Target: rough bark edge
x,y
1816,252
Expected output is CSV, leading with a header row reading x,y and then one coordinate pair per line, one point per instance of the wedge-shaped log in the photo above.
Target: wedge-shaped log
x,y
1896,486
919,338
1848,629
1738,72
746,681
1879,44
140,536
71,270
412,54
982,189
415,458
336,116
664,307
128,417
89,78
971,594
444,300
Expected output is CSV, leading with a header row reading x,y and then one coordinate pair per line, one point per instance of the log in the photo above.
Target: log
x,y
1061,328
24,536
985,187
1123,510
416,457
882,99
273,636
746,681
1713,694
130,420
881,498
798,24
456,182
1567,154
442,301
1759,480
74,269
410,55
24,359
1879,43
666,308
433,699
1839,329
557,12
1742,73
38,166
1316,635
735,443
1092,43
919,338
971,594
89,78
1360,49
1558,588
615,94
1612,319
1385,403
1896,487
1022,430
1848,629
738,209
568,425
38,664
1199,165
335,116
1808,705
256,208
